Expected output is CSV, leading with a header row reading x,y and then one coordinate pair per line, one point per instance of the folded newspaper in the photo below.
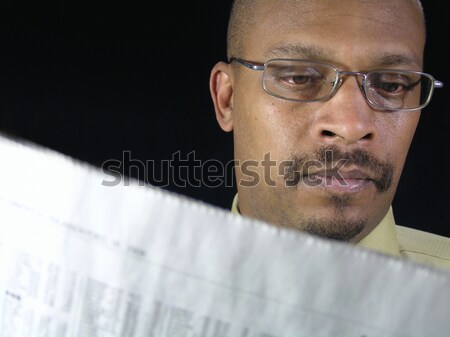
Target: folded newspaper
x,y
78,258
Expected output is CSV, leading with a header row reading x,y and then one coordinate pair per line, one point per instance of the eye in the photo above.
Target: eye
x,y
391,87
393,83
299,77
298,80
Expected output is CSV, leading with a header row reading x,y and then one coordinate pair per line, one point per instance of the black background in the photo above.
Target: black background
x,y
92,79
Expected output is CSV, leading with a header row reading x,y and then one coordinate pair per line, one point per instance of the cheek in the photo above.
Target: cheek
x,y
263,123
396,133
267,125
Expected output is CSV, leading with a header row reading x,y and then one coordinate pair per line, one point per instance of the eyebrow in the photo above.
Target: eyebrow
x,y
385,59
392,59
298,50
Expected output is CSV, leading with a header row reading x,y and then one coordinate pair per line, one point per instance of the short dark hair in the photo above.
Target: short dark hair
x,y
242,17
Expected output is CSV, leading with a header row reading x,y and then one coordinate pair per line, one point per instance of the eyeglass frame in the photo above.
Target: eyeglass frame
x,y
435,84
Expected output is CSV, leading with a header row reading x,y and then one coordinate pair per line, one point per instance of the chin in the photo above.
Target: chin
x,y
335,229
342,219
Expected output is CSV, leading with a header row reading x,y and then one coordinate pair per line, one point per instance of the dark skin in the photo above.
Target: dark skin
x,y
351,35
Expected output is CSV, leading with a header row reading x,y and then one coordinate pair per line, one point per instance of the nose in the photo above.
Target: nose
x,y
346,118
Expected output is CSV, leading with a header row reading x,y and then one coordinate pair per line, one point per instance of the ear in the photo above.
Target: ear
x,y
221,87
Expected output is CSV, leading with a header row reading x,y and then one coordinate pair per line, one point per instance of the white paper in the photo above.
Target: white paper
x,y
81,259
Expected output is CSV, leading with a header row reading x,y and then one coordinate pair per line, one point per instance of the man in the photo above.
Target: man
x,y
323,98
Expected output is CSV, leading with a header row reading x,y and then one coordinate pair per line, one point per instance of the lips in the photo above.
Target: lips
x,y
334,169
340,181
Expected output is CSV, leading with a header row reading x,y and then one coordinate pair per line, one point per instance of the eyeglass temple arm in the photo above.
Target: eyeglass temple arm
x,y
436,84
247,64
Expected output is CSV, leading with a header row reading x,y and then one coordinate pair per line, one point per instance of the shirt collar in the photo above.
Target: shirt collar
x,y
383,237
234,206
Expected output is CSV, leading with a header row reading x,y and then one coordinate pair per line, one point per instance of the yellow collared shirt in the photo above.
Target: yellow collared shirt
x,y
413,244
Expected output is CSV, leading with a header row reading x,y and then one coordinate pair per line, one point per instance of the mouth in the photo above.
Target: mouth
x,y
340,181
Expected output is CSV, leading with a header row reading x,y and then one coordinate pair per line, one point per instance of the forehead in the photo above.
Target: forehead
x,y
339,31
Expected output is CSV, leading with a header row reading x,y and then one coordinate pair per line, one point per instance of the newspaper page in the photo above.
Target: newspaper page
x,y
78,258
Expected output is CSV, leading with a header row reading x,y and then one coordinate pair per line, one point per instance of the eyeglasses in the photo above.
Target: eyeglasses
x,y
307,81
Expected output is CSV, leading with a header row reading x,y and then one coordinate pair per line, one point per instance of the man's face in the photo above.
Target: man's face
x,y
316,139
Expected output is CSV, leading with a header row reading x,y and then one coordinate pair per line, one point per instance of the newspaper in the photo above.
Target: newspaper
x,y
78,258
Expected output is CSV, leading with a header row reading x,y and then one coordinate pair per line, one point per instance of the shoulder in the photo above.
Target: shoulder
x,y
424,247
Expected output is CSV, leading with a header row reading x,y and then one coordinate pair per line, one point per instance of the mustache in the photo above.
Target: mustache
x,y
331,159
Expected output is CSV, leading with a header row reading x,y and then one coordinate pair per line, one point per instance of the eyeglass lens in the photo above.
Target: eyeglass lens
x,y
308,81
